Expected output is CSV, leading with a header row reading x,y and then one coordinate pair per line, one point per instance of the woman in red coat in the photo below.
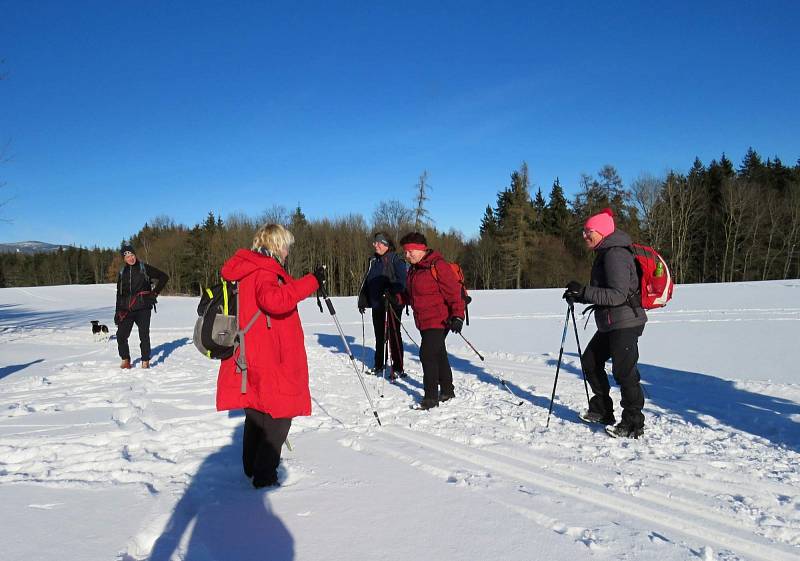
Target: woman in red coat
x,y
277,368
438,307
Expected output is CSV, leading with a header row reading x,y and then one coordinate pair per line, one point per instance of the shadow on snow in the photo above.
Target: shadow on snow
x,y
414,387
8,370
160,353
693,396
229,520
16,316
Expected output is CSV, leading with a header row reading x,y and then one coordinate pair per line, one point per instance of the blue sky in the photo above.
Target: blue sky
x,y
117,112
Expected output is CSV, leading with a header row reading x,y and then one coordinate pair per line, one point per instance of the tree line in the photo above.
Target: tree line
x,y
714,223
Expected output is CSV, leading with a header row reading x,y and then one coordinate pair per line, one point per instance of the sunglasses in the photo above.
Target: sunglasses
x,y
587,233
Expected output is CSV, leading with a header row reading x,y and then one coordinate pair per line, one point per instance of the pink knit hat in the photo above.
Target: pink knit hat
x,y
602,223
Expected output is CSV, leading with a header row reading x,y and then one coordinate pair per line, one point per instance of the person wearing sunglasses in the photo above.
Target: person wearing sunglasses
x,y
613,297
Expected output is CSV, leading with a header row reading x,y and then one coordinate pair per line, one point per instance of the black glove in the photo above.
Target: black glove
x,y
392,299
455,324
361,310
574,292
321,274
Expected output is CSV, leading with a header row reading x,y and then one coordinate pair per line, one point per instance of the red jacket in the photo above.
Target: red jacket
x,y
433,300
277,373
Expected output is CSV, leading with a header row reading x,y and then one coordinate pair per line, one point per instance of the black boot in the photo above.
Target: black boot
x,y
624,430
427,403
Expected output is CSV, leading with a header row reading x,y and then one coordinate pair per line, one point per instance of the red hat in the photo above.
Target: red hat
x,y
602,222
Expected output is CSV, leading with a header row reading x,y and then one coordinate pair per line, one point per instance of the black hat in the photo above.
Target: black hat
x,y
414,238
127,248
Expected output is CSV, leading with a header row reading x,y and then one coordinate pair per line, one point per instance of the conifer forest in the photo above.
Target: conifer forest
x,y
715,222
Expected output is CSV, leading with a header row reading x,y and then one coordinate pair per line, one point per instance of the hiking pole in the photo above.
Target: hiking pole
x,y
403,327
332,311
558,367
385,346
571,305
471,347
503,382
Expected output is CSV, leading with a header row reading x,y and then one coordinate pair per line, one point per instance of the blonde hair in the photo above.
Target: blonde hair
x,y
273,238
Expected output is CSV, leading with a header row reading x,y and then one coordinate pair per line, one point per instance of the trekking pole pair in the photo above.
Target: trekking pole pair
x,y
332,311
570,312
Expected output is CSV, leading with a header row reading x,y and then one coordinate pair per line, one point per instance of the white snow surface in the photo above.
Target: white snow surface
x,y
97,463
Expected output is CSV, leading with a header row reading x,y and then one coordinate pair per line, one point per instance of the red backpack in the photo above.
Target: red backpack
x,y
460,276
655,281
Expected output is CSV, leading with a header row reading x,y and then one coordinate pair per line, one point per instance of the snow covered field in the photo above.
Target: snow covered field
x,y
100,464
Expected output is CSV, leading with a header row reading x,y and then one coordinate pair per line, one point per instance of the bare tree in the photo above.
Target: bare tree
x,y
422,218
394,217
646,195
792,229
734,202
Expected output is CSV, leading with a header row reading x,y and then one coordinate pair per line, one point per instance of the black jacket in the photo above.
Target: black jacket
x,y
135,290
615,284
385,272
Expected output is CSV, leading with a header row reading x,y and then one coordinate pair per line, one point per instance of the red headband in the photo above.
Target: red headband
x,y
411,246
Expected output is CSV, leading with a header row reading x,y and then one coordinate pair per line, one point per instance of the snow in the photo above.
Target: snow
x,y
100,463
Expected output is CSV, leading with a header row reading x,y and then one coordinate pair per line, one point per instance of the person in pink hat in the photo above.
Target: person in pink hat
x,y
613,293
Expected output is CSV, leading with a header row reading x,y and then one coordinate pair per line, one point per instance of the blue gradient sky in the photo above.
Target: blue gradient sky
x,y
120,111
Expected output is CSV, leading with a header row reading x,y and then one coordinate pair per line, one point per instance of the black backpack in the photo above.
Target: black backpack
x,y
217,331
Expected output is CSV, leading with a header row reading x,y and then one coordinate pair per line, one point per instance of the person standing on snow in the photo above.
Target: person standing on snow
x,y
136,298
438,307
386,275
277,367
613,293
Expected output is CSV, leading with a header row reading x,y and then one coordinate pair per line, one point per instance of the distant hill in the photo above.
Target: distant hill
x,y
29,248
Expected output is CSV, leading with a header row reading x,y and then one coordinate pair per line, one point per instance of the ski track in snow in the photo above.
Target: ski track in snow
x,y
708,489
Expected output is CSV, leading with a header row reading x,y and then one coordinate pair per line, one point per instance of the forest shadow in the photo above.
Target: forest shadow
x,y
17,316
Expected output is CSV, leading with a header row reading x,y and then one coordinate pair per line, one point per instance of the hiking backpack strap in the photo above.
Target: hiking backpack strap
x,y
241,360
435,275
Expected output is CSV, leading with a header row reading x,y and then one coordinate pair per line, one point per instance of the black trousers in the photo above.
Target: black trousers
x,y
436,372
142,320
392,330
261,444
622,347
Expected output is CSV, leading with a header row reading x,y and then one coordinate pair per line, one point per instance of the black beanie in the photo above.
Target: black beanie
x,y
125,248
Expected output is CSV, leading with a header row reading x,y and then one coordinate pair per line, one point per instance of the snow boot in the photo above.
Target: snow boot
x,y
446,396
592,417
426,404
126,364
623,430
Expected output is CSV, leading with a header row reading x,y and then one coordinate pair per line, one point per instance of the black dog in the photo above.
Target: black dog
x,y
99,330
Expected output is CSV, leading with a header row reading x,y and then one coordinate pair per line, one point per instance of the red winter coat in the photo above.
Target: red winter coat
x,y
433,300
277,373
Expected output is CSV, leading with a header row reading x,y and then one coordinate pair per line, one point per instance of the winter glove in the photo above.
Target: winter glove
x,y
361,310
574,292
321,274
455,324
393,299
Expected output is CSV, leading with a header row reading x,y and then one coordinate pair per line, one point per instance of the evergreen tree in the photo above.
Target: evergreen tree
x,y
515,226
557,216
